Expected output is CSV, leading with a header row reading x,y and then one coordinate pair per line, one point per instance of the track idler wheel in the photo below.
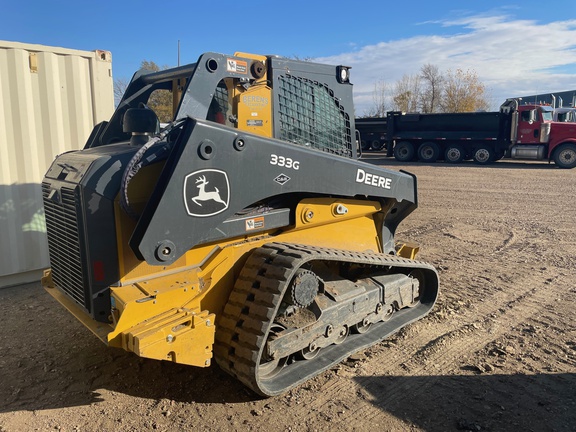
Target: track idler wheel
x,y
303,288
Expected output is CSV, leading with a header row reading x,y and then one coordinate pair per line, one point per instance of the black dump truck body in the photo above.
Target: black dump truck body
x,y
480,125
428,137
516,131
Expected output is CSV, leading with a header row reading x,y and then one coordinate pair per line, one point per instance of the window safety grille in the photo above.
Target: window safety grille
x,y
311,116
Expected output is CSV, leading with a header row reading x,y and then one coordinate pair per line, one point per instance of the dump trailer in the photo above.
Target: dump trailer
x,y
515,131
371,133
245,232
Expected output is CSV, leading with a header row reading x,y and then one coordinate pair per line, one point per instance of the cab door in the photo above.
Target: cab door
x,y
529,122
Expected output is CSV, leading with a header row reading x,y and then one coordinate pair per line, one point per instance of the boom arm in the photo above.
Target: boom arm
x,y
243,170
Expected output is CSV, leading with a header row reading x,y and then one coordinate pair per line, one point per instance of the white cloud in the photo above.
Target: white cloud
x,y
511,57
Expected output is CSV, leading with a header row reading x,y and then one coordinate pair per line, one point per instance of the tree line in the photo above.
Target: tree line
x,y
430,91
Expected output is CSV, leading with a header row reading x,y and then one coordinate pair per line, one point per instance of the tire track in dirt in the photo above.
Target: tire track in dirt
x,y
498,250
420,351
507,243
441,355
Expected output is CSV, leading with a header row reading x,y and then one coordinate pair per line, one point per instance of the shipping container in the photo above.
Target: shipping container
x,y
50,100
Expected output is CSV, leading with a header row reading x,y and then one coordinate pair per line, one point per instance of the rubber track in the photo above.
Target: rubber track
x,y
243,327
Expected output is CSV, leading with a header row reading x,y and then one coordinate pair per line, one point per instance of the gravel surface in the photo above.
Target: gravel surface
x,y
498,353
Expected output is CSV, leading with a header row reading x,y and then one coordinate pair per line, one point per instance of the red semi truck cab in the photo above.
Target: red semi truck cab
x,y
534,135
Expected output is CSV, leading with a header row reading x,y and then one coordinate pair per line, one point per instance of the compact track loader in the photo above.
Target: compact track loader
x,y
245,231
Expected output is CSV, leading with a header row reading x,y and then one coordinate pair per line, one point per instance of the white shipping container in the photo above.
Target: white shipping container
x,y
50,100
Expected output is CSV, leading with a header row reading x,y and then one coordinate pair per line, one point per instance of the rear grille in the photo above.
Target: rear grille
x,y
310,115
64,243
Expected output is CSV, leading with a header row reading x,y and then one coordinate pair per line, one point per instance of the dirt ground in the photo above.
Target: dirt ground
x,y
498,353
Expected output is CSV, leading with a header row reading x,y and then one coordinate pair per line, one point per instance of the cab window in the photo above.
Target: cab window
x,y
220,108
547,115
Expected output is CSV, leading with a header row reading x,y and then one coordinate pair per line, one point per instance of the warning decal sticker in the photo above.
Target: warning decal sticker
x,y
256,223
237,66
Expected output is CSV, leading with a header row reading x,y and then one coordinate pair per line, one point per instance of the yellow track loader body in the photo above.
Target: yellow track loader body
x,y
245,230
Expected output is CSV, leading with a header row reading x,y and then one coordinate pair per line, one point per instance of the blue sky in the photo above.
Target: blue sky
x,y
515,47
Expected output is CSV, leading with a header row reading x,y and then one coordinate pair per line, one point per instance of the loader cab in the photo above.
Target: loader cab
x,y
217,88
303,103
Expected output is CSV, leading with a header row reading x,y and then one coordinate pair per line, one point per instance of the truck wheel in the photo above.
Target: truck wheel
x,y
377,145
454,154
483,155
499,155
365,145
565,156
428,152
404,151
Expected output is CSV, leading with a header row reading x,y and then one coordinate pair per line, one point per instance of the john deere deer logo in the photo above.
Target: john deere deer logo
x,y
206,196
203,201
